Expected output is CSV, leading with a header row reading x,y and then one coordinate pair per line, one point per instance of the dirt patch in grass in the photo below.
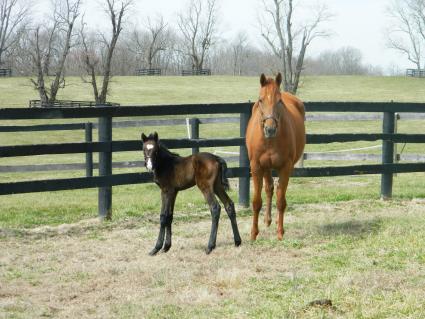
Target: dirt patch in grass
x,y
102,270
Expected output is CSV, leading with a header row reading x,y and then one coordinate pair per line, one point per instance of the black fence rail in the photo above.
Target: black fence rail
x,y
417,73
106,146
68,103
196,72
5,72
144,72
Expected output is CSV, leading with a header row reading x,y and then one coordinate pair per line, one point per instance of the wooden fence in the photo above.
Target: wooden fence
x,y
106,146
415,73
67,103
196,72
5,72
144,72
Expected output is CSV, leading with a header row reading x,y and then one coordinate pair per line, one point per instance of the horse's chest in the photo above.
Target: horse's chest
x,y
270,160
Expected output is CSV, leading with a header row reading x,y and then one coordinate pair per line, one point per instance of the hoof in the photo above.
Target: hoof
x,y
209,250
268,222
153,252
238,243
254,235
280,236
166,248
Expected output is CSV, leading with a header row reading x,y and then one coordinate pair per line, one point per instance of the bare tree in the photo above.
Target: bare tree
x,y
13,14
92,60
407,34
198,26
239,47
150,43
51,46
289,40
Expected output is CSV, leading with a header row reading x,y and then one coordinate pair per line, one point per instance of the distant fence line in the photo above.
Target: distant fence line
x,y
5,72
417,73
148,72
67,103
196,72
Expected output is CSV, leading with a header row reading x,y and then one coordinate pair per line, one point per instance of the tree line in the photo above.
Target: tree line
x,y
63,44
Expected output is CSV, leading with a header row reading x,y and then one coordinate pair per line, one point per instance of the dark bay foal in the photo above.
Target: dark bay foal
x,y
173,173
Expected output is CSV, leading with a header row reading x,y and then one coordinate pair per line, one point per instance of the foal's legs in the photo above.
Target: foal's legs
x,y
268,181
166,219
215,208
167,244
257,202
281,198
230,209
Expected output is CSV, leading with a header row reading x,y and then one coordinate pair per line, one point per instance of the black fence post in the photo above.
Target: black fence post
x,y
388,127
194,132
88,128
244,162
105,167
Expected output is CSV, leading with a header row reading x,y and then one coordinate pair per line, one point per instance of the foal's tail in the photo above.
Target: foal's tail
x,y
223,170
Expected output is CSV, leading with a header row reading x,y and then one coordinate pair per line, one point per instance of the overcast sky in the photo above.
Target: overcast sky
x,y
357,23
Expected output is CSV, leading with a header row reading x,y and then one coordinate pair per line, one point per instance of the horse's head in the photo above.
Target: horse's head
x,y
150,149
270,104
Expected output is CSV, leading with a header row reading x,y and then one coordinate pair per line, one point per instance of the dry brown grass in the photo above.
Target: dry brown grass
x,y
102,270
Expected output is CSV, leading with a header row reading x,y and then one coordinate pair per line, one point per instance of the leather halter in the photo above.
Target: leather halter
x,y
273,116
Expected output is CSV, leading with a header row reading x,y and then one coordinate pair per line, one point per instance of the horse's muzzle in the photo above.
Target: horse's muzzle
x,y
269,132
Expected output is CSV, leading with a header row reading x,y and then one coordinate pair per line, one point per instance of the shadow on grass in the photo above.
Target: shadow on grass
x,y
352,228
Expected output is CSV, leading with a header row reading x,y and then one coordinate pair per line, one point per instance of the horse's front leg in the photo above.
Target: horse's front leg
x,y
269,187
284,174
168,233
165,221
257,202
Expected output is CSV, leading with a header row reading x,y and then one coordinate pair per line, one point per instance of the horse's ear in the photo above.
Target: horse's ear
x,y
278,79
155,136
263,80
144,137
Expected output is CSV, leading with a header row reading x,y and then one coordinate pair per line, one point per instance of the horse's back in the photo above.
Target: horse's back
x,y
294,105
296,109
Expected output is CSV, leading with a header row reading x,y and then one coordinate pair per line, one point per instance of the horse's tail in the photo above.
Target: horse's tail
x,y
223,170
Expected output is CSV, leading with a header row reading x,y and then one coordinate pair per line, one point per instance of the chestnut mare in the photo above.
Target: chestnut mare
x,y
275,139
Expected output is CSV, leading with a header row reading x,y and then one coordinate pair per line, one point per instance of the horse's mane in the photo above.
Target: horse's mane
x,y
165,151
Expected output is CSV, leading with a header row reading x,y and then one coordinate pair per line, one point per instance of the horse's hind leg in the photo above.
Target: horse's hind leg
x,y
215,216
268,186
230,210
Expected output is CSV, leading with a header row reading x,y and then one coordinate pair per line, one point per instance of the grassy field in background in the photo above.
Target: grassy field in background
x,y
341,242
130,90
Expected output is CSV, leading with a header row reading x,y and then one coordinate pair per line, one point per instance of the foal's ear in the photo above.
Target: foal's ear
x,y
263,80
144,137
155,136
278,79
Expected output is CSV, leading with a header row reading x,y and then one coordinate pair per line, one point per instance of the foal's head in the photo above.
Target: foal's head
x,y
150,149
270,104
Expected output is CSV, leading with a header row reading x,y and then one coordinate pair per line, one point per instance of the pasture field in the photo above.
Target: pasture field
x,y
341,242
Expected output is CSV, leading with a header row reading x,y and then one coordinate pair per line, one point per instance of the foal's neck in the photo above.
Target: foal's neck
x,y
165,161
